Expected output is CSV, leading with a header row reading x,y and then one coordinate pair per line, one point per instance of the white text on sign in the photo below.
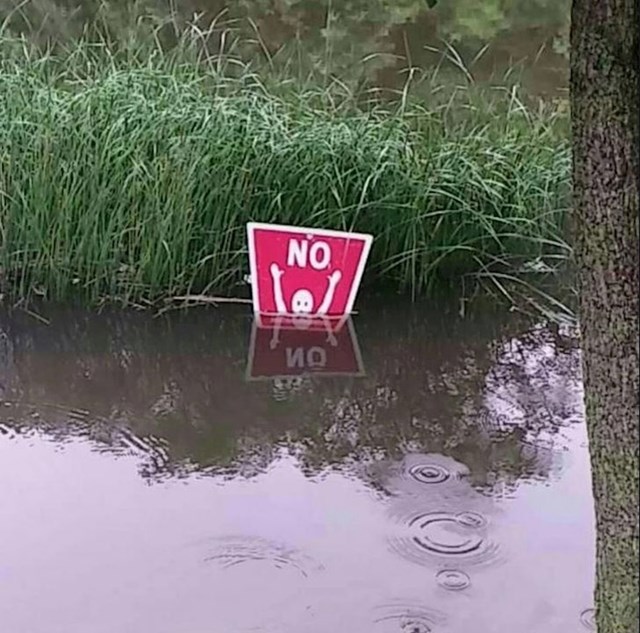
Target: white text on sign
x,y
299,254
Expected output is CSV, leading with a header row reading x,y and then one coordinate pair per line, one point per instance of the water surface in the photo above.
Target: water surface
x,y
149,486
370,43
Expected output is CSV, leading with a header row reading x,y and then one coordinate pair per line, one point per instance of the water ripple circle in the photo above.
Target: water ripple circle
x,y
588,619
471,520
429,473
431,537
233,551
444,533
401,617
453,579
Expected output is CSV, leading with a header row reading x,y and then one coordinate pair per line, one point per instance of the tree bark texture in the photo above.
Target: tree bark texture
x,y
606,171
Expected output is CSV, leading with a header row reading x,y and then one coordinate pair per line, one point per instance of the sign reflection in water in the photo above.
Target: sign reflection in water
x,y
285,347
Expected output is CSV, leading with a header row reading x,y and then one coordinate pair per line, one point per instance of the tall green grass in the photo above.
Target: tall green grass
x,y
131,174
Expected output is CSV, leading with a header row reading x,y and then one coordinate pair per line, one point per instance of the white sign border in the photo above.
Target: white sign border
x,y
253,271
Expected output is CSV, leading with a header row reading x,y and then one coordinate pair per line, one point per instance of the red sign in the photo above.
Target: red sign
x,y
281,350
299,271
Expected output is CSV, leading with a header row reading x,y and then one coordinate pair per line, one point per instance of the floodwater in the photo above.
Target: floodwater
x,y
155,479
372,43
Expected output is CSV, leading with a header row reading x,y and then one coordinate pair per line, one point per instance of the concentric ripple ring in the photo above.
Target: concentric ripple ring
x,y
453,579
446,534
429,473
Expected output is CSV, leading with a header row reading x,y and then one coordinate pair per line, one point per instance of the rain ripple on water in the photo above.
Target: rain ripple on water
x,y
429,473
418,474
233,551
402,617
434,537
588,619
453,579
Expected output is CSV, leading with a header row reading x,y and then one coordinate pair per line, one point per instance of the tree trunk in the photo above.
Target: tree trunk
x,y
605,126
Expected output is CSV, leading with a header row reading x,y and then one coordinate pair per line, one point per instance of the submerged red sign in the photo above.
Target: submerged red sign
x,y
325,348
299,271
301,322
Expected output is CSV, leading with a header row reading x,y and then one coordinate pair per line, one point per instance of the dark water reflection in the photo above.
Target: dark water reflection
x,y
149,486
372,43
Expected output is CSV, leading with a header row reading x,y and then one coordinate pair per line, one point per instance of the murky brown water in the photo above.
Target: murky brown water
x,y
149,486
372,43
